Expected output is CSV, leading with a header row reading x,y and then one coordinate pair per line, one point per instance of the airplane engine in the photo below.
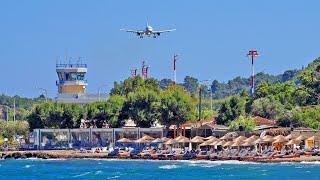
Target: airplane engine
x,y
158,34
138,34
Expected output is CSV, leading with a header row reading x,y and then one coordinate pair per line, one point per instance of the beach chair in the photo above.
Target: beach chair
x,y
203,155
292,155
237,156
251,156
268,155
113,153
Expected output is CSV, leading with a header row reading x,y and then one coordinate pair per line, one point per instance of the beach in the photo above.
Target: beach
x,y
75,154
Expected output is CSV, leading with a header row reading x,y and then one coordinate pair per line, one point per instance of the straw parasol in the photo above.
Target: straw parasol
x,y
206,143
197,140
236,144
293,141
221,143
207,138
229,143
314,138
179,137
124,140
301,138
267,137
165,139
251,139
158,140
240,138
214,143
197,137
141,140
290,136
249,143
280,139
146,137
171,141
258,141
184,140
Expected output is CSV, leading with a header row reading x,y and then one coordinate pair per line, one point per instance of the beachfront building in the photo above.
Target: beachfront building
x,y
72,85
89,137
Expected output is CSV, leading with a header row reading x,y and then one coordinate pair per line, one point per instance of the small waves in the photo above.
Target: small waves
x,y
313,162
83,174
169,166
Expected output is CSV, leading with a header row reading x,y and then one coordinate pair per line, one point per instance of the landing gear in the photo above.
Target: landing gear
x,y
154,36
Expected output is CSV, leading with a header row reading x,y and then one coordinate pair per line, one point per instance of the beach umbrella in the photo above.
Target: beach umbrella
x,y
236,144
293,141
290,136
171,141
229,143
141,140
280,139
179,137
197,137
301,138
224,137
240,138
207,138
197,140
146,137
267,137
124,140
206,143
314,138
259,141
158,140
184,140
250,143
221,143
214,143
251,139
165,139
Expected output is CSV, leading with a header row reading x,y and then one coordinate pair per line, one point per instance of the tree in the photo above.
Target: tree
x,y
177,107
231,109
164,83
190,84
246,122
268,108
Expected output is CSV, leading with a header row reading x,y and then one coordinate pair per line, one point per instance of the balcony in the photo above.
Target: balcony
x,y
75,82
77,65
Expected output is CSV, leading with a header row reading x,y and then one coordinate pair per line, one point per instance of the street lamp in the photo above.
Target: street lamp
x,y
100,88
46,93
200,86
14,108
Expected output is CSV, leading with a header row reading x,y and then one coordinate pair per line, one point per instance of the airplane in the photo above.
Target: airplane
x,y
148,31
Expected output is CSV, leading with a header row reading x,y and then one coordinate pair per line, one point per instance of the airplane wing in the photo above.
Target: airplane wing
x,y
133,31
163,31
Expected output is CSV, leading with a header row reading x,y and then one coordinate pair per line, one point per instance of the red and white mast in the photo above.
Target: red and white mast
x,y
252,53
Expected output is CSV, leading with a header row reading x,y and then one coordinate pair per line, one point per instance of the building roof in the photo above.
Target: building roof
x,y
259,121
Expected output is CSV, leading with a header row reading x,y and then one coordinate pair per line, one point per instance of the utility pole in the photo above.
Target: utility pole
x,y
175,58
46,93
99,91
14,108
134,72
200,103
211,99
252,53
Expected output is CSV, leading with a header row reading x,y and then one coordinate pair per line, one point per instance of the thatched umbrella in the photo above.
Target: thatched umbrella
x,y
229,143
141,140
171,141
197,140
146,137
214,143
267,137
184,140
221,143
280,139
165,139
207,138
158,140
206,143
290,136
124,140
259,141
249,143
301,138
240,138
224,137
236,144
179,137
293,141
251,139
197,137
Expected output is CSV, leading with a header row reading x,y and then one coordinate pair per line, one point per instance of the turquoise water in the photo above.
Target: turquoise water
x,y
142,169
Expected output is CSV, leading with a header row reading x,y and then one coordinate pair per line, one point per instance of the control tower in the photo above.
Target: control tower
x,y
71,78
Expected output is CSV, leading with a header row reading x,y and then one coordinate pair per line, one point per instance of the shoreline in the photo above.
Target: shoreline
x,y
73,154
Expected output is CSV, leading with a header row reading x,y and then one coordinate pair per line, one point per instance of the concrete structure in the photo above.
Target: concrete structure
x,y
72,85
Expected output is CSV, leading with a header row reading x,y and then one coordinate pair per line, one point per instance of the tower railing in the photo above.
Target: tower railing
x,y
71,65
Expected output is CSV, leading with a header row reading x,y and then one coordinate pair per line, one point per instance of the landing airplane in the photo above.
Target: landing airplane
x,y
148,31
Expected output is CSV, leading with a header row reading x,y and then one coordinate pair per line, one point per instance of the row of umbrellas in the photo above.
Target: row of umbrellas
x,y
225,140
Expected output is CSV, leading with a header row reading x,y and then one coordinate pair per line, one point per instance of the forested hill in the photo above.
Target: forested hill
x,y
221,89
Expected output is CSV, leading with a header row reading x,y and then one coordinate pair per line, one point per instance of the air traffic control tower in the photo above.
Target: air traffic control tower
x,y
72,86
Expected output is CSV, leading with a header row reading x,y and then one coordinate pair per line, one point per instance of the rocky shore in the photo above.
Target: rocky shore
x,y
73,154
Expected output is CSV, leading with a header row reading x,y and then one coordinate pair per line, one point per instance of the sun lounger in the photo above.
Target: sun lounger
x,y
203,155
113,153
269,155
292,155
237,156
251,156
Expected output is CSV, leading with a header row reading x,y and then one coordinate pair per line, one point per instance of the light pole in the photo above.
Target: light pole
x,y
200,86
252,53
99,90
46,93
14,108
175,58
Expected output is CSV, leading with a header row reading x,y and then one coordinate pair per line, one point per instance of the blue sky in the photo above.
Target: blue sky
x,y
212,38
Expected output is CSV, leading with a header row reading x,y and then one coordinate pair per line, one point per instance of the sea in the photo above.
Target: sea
x,y
153,169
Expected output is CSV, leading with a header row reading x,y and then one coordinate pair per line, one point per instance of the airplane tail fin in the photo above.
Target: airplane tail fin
x,y
147,24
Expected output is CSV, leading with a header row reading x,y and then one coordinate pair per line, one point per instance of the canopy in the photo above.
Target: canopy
x,y
171,141
301,138
158,140
293,141
314,138
124,140
290,136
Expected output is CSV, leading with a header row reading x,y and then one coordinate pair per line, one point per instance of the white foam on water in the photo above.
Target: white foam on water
x,y
114,177
98,172
169,166
313,162
83,174
28,166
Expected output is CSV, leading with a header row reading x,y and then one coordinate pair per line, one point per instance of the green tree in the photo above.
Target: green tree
x,y
246,122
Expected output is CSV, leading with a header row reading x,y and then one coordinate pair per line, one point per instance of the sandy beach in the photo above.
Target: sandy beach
x,y
74,154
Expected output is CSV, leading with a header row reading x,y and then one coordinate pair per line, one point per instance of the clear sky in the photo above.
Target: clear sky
x,y
212,38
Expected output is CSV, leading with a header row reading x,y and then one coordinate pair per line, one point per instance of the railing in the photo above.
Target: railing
x,y
60,82
71,65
